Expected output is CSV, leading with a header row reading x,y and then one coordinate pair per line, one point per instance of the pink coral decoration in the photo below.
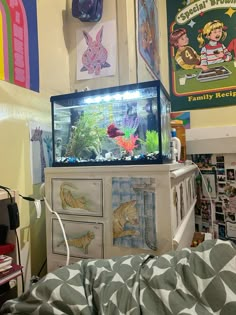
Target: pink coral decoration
x,y
127,144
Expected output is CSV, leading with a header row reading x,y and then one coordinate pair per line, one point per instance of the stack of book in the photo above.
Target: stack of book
x,y
8,270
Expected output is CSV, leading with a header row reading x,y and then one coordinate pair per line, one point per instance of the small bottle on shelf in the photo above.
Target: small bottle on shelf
x,y
176,146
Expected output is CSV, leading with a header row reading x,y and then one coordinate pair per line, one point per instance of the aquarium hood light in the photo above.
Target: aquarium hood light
x,y
113,97
104,98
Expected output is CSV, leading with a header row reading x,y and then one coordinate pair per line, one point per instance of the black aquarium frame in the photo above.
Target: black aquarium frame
x,y
98,92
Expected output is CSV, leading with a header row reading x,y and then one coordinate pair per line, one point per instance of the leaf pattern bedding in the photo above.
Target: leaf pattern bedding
x,y
200,280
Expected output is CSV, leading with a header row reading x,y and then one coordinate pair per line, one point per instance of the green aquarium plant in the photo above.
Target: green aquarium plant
x,y
85,137
152,141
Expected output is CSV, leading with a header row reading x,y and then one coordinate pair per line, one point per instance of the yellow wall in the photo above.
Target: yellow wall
x,y
224,116
20,106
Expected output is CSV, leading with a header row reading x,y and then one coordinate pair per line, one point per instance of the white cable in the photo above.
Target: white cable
x,y
211,203
63,231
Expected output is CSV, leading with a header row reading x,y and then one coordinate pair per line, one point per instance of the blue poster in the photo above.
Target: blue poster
x,y
148,35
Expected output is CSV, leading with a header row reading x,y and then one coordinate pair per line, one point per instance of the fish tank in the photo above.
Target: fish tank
x,y
121,125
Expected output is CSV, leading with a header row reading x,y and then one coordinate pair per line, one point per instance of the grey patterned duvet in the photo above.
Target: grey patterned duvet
x,y
200,281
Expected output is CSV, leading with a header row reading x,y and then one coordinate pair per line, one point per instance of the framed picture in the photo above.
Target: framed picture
x,y
85,239
221,231
193,187
182,200
89,40
187,193
231,230
147,35
206,211
134,212
209,184
175,206
78,196
230,174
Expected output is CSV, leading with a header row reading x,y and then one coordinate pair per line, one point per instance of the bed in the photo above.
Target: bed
x,y
199,280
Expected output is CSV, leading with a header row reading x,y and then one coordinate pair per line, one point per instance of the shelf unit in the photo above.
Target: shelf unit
x,y
10,247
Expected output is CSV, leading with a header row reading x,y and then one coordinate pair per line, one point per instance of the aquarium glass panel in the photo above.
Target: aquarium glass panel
x,y
165,123
120,125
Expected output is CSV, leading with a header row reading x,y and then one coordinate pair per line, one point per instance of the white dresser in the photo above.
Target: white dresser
x,y
119,210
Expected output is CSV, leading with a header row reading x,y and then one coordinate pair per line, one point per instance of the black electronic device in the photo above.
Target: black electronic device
x,y
13,212
14,218
3,233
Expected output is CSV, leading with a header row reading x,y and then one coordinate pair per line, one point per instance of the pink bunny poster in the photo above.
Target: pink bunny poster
x,y
96,51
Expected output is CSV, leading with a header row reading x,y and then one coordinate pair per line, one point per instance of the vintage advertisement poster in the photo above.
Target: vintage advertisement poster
x,y
19,62
202,53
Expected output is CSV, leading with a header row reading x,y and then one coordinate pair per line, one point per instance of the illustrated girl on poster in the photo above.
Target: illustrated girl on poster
x,y
214,51
202,49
